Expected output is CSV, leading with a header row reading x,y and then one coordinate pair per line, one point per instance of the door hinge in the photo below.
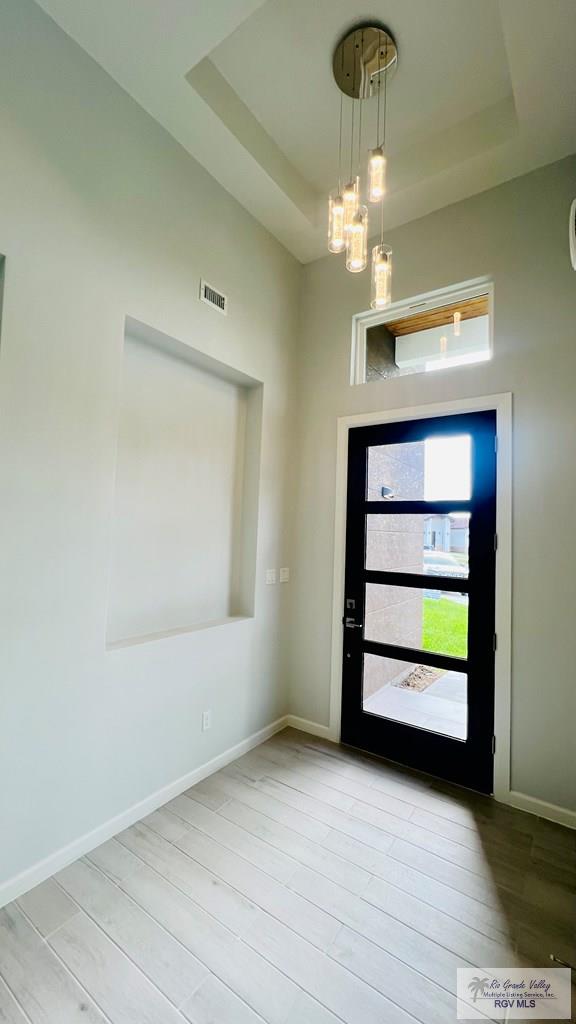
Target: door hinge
x,y
495,542
496,443
495,642
493,744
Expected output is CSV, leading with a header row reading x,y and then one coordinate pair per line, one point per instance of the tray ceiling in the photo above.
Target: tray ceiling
x,y
484,91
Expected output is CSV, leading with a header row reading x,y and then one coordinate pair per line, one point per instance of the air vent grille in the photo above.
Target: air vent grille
x,y
213,297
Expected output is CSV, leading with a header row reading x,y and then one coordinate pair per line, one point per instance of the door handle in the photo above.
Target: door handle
x,y
350,624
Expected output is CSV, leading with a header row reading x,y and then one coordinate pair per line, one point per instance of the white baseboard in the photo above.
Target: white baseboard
x,y
305,725
523,802
57,861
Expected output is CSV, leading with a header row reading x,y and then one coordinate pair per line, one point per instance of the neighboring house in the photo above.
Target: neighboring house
x,y
446,533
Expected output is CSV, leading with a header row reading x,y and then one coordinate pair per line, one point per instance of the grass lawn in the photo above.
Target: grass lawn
x,y
445,627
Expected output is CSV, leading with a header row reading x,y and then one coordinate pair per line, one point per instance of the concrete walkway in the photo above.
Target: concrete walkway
x,y
442,707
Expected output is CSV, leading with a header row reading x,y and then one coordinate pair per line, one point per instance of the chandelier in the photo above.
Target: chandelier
x,y
361,64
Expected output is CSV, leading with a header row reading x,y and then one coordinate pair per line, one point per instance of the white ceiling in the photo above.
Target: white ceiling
x,y
485,90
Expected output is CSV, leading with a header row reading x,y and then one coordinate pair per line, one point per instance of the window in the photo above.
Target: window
x,y
433,332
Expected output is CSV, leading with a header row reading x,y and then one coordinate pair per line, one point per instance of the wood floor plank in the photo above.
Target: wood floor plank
x,y
376,827
303,850
475,860
166,824
473,834
319,756
125,994
484,841
558,865
361,790
305,784
274,862
214,1003
204,887
475,947
382,788
540,893
484,888
549,833
114,860
355,764
425,1000
209,793
489,919
305,883
435,962
161,958
10,1012
266,989
451,802
362,861
307,1010
323,978
247,794
47,906
41,984
265,892
322,814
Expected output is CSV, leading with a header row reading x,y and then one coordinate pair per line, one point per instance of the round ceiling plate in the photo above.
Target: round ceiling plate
x,y
361,59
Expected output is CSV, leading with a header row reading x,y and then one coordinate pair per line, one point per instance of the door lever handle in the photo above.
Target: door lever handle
x,y
350,624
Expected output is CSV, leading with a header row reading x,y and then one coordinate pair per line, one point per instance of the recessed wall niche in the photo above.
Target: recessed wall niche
x,y
186,494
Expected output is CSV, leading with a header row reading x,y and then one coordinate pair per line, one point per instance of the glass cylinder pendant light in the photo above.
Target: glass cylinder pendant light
x,y
357,242
376,175
457,321
362,61
351,197
336,234
381,276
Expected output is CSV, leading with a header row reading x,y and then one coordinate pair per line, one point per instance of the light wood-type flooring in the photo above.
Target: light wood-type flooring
x,y
303,884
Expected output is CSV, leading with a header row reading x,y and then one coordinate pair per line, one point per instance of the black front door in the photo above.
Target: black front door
x,y
418,667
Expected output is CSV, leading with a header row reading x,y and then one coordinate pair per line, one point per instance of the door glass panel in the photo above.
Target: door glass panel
x,y
426,698
429,620
435,545
435,469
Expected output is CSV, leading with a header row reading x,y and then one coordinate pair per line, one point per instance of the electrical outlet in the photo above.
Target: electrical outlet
x,y
284,575
206,720
270,576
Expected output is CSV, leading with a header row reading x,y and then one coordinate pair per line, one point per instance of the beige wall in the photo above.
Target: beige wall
x,y
517,234
102,215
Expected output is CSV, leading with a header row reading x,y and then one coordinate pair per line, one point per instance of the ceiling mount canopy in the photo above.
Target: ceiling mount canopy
x,y
361,57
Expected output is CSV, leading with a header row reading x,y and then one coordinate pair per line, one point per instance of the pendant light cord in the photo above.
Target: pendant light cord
x,y
340,147
360,110
378,112
353,105
352,142
340,131
384,133
385,93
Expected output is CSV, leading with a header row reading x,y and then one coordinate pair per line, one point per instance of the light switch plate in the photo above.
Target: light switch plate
x,y
206,720
284,575
270,576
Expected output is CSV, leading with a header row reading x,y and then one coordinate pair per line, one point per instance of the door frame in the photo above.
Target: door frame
x,y
502,405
